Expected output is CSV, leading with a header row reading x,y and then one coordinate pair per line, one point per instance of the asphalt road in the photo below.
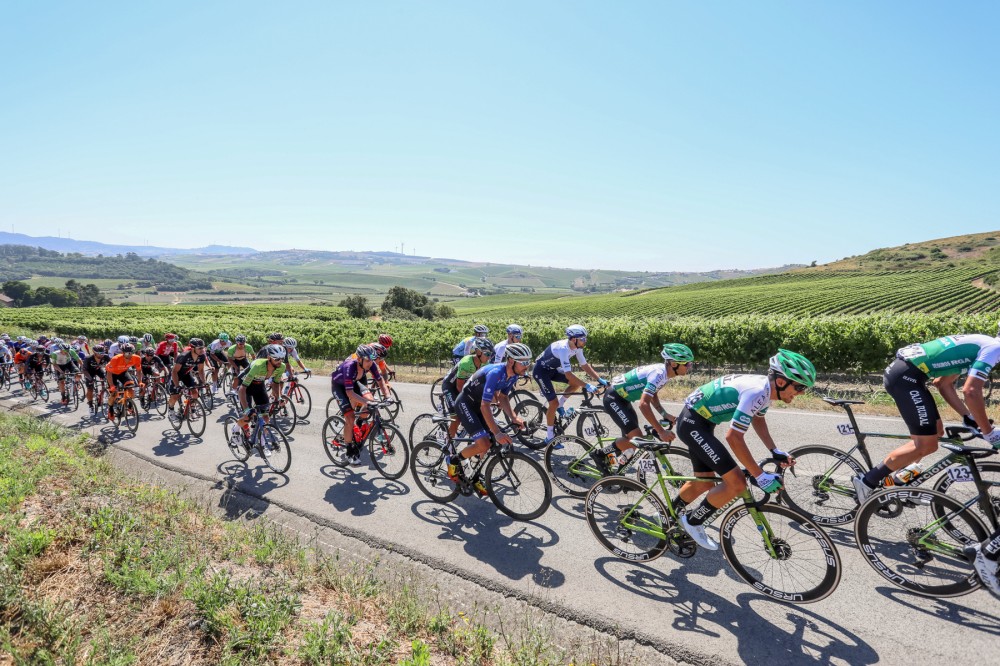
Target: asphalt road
x,y
696,610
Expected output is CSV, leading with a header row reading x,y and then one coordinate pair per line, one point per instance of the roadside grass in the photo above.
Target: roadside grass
x,y
96,568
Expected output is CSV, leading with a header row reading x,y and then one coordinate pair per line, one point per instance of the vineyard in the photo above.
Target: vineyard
x,y
858,343
930,290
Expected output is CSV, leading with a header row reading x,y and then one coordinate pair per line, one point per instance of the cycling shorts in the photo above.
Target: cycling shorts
x,y
118,380
908,387
168,359
471,418
340,393
257,395
621,412
708,454
241,363
65,368
187,380
89,379
544,378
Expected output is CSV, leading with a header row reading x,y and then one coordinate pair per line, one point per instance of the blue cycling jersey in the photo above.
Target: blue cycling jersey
x,y
462,348
487,381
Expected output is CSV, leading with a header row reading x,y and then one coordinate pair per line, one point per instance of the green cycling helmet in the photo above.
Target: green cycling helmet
x,y
795,367
675,351
224,337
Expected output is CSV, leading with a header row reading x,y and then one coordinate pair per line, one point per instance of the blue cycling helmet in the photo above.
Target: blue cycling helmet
x,y
576,331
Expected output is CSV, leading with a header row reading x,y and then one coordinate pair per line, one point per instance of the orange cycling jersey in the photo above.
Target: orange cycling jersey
x,y
118,364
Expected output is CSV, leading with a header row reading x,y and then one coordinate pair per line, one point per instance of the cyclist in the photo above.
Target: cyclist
x,y
152,367
460,373
514,334
82,346
116,346
291,347
642,384
189,370
64,361
217,357
119,371
93,367
272,339
492,382
348,386
939,361
148,342
252,386
239,354
553,365
743,400
168,349
34,361
464,348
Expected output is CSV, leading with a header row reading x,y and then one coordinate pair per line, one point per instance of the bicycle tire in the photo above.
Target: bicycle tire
x,y
518,485
239,448
283,417
179,419
430,472
207,399
520,395
43,391
102,403
197,419
589,427
130,414
391,455
437,400
829,502
807,560
226,382
903,535
158,399
533,434
963,491
568,462
333,441
613,512
332,402
302,400
423,427
274,448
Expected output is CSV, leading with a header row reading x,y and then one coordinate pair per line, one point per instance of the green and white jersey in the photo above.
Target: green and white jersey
x,y
644,379
734,397
953,354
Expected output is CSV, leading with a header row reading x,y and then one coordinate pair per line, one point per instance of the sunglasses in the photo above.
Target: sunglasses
x,y
798,388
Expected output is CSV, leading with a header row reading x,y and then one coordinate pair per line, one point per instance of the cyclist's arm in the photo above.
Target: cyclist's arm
x,y
760,427
738,445
589,369
491,423
646,403
946,387
504,402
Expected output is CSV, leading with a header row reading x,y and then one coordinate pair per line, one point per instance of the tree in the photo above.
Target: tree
x,y
357,307
404,299
17,290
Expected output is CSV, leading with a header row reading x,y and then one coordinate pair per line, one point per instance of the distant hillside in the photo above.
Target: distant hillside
x,y
932,253
94,248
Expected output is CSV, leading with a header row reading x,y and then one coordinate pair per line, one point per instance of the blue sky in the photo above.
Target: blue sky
x,y
654,136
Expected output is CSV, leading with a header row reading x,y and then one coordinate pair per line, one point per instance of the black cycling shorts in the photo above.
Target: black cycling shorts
x,y
66,368
544,378
257,395
708,454
908,387
90,379
187,379
621,412
241,363
118,380
471,418
340,393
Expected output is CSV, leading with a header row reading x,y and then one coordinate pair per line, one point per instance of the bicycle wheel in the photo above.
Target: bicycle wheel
x,y
388,450
196,418
518,396
568,462
33,391
517,485
427,464
175,418
819,484
333,441
102,403
533,434
283,417
207,399
236,443
76,395
805,565
302,400
589,427
157,400
332,404
628,519
274,445
226,382
436,399
130,415
43,391
914,548
423,427
955,483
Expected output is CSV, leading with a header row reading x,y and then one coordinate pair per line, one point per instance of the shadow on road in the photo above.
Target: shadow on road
x,y
946,610
355,492
246,489
173,443
568,505
799,637
491,538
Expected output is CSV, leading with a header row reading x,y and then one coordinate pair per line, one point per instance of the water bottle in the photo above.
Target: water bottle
x,y
626,456
905,475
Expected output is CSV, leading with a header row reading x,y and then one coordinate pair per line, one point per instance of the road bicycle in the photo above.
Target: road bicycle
x,y
515,483
916,538
155,395
571,462
780,552
122,409
6,369
819,483
268,441
298,395
516,396
75,391
386,445
35,384
392,399
190,411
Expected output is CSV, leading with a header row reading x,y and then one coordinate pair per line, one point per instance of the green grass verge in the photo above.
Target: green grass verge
x,y
96,568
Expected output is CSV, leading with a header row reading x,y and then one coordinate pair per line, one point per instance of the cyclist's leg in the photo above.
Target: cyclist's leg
x,y
698,433
544,379
623,414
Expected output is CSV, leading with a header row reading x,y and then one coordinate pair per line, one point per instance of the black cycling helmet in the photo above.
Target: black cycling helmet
x,y
196,343
276,337
128,348
240,338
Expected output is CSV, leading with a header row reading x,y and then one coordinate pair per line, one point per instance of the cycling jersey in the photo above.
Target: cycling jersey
x,y
556,357
259,370
347,373
463,348
60,357
166,348
734,397
232,350
462,370
644,379
92,366
219,346
953,354
187,362
499,350
486,382
119,364
151,366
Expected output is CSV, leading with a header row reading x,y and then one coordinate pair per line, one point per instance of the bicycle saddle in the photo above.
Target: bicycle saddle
x,y
441,420
841,403
653,445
